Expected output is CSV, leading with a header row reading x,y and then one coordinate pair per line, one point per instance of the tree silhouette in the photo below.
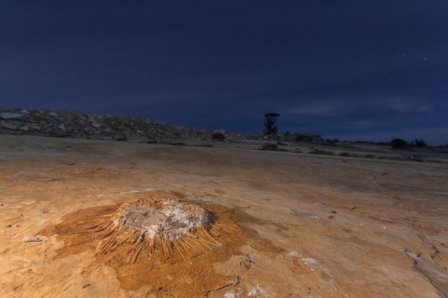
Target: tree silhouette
x,y
270,123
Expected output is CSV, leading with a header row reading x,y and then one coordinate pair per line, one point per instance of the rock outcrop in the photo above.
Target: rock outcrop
x,y
68,124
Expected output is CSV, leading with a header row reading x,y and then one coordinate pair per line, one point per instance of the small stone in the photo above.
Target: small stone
x,y
96,124
62,127
29,127
85,286
8,125
31,202
31,239
10,115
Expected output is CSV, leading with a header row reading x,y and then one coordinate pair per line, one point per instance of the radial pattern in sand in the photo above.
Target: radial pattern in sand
x,y
166,225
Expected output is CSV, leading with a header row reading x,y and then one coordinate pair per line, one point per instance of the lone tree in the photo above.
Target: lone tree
x,y
270,123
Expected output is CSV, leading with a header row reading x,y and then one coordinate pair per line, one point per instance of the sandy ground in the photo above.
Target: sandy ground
x,y
310,226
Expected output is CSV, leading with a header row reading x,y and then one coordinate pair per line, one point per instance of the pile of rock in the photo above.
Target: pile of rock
x,y
69,124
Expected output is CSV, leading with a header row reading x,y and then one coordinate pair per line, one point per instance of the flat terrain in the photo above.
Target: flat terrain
x,y
308,225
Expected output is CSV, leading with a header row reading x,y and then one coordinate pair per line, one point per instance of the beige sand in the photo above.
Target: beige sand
x,y
301,225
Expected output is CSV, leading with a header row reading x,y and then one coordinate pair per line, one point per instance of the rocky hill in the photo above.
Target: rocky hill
x,y
68,124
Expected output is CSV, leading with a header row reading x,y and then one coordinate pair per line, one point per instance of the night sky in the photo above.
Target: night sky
x,y
352,69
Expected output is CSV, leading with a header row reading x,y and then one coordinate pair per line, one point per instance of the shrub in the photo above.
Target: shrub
x,y
270,147
321,152
307,138
399,144
219,135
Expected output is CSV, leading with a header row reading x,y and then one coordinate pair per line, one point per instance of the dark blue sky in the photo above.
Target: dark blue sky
x,y
349,69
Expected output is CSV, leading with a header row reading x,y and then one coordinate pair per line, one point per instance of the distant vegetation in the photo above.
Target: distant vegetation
x,y
401,144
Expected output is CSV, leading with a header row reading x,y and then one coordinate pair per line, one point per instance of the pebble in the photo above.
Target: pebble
x,y
10,115
31,239
8,125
